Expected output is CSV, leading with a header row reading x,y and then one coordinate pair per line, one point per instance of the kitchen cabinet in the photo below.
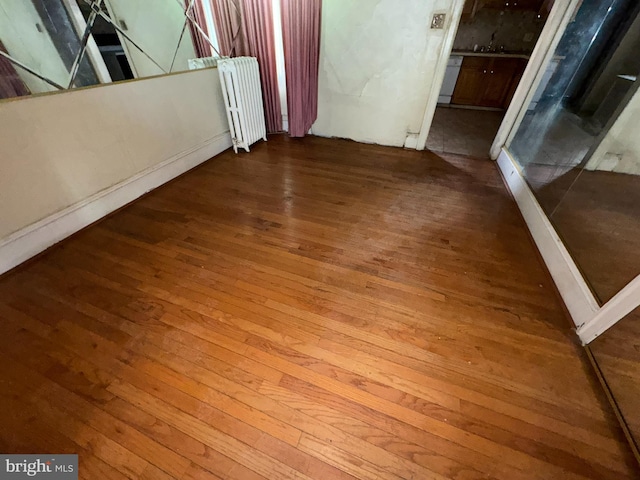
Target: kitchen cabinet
x,y
472,6
487,81
531,5
469,6
469,10
469,87
545,8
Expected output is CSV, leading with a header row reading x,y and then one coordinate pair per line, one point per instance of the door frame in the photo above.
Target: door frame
x,y
559,17
557,21
441,68
92,50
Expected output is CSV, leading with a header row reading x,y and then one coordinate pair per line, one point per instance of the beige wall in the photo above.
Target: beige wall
x,y
378,59
619,150
60,149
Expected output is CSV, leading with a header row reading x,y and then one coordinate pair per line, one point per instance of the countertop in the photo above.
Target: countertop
x,y
465,53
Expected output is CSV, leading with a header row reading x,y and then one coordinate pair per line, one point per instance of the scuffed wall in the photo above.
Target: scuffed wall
x,y
377,63
61,149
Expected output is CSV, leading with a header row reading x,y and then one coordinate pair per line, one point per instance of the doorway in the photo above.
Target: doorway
x,y
110,46
492,47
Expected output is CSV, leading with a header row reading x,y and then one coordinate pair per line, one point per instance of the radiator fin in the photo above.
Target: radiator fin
x,y
240,81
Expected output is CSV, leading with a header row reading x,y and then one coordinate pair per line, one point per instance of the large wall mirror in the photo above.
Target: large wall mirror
x,y
576,151
579,150
53,45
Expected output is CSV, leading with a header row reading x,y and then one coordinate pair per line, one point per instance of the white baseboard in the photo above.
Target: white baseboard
x,y
622,304
37,237
575,292
411,141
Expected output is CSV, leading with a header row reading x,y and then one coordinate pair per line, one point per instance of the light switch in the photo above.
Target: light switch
x,y
438,21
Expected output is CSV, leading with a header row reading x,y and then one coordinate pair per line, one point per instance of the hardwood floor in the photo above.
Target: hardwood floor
x,y
617,353
316,309
599,221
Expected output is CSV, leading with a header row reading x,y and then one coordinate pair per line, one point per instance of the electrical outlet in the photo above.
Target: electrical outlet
x,y
438,21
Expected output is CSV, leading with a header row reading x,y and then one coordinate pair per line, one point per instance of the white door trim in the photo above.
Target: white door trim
x,y
575,292
93,52
554,28
590,319
123,41
438,77
623,303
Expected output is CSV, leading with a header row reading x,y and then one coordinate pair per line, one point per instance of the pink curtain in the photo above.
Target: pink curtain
x,y
258,31
301,38
200,44
227,16
245,27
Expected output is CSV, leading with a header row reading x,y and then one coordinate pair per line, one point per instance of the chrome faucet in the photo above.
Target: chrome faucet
x,y
491,47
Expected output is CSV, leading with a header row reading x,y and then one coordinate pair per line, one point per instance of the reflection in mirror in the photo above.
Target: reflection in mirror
x,y
50,45
16,81
41,39
571,106
599,217
108,44
184,52
617,354
150,32
58,24
578,145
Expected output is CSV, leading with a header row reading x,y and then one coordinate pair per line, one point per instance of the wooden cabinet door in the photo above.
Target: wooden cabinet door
x,y
487,82
494,4
545,8
470,85
498,81
515,81
468,8
530,5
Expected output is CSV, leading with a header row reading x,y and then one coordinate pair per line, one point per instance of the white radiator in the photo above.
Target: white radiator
x,y
197,63
240,80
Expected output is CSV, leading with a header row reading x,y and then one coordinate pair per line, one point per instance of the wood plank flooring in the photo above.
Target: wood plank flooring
x,y
617,353
316,309
599,221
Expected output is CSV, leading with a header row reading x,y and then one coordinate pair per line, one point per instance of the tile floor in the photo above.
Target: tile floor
x,y
463,131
